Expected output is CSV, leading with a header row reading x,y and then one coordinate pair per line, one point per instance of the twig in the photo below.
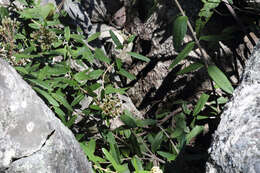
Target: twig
x,y
174,146
204,56
241,25
154,157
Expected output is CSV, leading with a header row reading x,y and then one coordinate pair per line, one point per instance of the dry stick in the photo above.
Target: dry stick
x,y
233,13
204,56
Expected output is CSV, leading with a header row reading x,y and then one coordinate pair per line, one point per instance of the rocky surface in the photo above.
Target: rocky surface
x,y
236,144
32,139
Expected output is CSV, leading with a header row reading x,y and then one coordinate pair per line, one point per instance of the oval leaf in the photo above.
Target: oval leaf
x,y
179,31
220,78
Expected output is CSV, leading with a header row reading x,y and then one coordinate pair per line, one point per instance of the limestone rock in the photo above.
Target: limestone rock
x,y
236,144
32,139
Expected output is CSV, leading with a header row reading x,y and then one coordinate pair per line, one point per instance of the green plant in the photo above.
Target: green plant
x,y
45,52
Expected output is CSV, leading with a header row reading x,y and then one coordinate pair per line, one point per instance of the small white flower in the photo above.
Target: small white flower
x,y
156,169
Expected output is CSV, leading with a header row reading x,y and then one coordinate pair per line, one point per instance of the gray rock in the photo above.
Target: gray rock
x,y
32,139
236,144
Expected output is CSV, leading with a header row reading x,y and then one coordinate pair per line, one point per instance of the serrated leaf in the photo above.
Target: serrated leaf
x,y
179,31
167,155
190,68
99,54
110,90
93,36
67,33
125,73
95,74
194,132
157,141
81,76
220,79
138,56
22,70
128,119
40,83
46,95
60,114
115,40
71,121
183,54
77,99
62,101
200,104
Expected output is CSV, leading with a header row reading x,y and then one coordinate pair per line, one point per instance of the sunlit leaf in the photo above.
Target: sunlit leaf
x,y
220,78
138,56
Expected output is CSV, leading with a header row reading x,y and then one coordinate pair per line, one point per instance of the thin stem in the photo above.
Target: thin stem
x,y
204,56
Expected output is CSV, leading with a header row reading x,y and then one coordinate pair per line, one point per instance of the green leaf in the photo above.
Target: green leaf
x,y
110,90
119,168
190,68
89,150
71,121
200,104
81,76
21,55
67,33
39,12
40,83
99,54
183,54
116,40
131,38
157,141
22,70
145,122
57,70
60,113
35,26
95,74
118,63
194,132
200,117
220,78
179,31
3,13
125,73
168,156
62,100
205,14
128,119
76,100
137,164
138,56
93,36
46,95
